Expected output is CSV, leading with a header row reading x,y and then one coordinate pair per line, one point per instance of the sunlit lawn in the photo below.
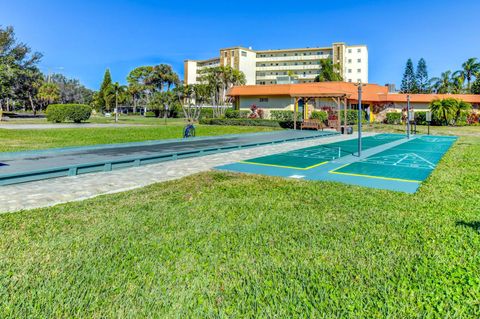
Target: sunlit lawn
x,y
239,246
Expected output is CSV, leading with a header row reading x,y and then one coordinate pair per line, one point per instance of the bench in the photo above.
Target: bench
x,y
312,124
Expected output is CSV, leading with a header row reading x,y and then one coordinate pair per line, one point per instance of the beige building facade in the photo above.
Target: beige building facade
x,y
265,67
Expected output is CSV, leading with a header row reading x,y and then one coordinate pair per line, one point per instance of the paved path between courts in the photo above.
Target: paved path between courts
x,y
66,189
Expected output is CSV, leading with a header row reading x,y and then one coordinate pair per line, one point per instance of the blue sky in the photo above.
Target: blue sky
x,y
82,38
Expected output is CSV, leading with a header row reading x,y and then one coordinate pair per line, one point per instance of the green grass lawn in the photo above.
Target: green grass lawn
x,y
99,119
239,246
18,140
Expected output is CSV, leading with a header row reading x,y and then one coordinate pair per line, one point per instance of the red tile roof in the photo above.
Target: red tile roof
x,y
370,93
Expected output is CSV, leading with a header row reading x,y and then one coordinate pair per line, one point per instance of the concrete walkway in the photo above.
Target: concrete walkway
x,y
60,190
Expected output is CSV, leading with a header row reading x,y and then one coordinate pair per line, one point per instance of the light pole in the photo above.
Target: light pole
x,y
408,116
359,118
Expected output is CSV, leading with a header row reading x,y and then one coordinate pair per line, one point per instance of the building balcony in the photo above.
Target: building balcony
x,y
293,58
274,77
288,67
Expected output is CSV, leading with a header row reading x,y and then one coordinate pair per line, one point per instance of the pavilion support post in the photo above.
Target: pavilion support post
x,y
295,110
345,115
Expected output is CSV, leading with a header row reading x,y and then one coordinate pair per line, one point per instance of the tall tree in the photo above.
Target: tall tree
x,y
71,90
442,84
106,86
19,74
48,93
328,71
422,76
409,81
119,92
475,89
469,69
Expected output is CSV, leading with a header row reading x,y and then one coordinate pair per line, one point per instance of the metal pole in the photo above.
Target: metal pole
x,y
359,119
408,116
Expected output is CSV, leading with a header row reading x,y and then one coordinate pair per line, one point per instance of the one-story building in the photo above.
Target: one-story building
x,y
338,96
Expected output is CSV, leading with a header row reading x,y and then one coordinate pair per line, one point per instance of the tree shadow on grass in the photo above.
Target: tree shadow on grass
x,y
475,225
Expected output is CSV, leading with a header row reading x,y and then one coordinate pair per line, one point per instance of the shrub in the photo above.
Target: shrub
x,y
240,122
236,114
281,115
352,116
319,115
393,118
421,118
68,112
256,112
150,114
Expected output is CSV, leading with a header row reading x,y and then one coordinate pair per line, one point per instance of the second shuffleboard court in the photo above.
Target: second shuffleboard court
x,y
412,161
310,157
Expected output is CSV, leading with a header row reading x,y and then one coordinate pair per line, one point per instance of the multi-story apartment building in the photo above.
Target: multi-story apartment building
x,y
272,66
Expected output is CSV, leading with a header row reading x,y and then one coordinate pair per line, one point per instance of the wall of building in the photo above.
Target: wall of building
x,y
247,64
273,103
356,63
190,72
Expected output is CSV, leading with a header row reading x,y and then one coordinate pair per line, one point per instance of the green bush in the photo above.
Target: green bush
x,y
421,118
240,122
319,115
282,115
236,114
352,116
393,118
150,114
77,113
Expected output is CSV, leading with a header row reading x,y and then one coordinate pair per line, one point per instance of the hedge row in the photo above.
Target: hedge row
x,y
77,113
240,122
236,114
289,115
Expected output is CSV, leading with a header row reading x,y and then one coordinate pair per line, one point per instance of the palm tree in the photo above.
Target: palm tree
x,y
118,89
461,106
328,71
445,108
456,82
469,69
442,84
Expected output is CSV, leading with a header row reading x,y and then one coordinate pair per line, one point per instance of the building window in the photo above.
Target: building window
x,y
296,54
359,70
349,80
359,50
349,60
263,99
349,70
349,50
359,80
359,60
233,53
244,53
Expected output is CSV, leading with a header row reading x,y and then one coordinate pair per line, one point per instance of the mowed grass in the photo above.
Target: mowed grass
x,y
19,140
218,245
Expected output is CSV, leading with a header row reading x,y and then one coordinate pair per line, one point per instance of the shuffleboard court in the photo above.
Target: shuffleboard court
x,y
310,157
19,167
412,161
390,161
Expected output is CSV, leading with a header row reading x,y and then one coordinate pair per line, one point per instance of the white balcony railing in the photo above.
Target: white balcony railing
x,y
288,67
293,58
274,77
